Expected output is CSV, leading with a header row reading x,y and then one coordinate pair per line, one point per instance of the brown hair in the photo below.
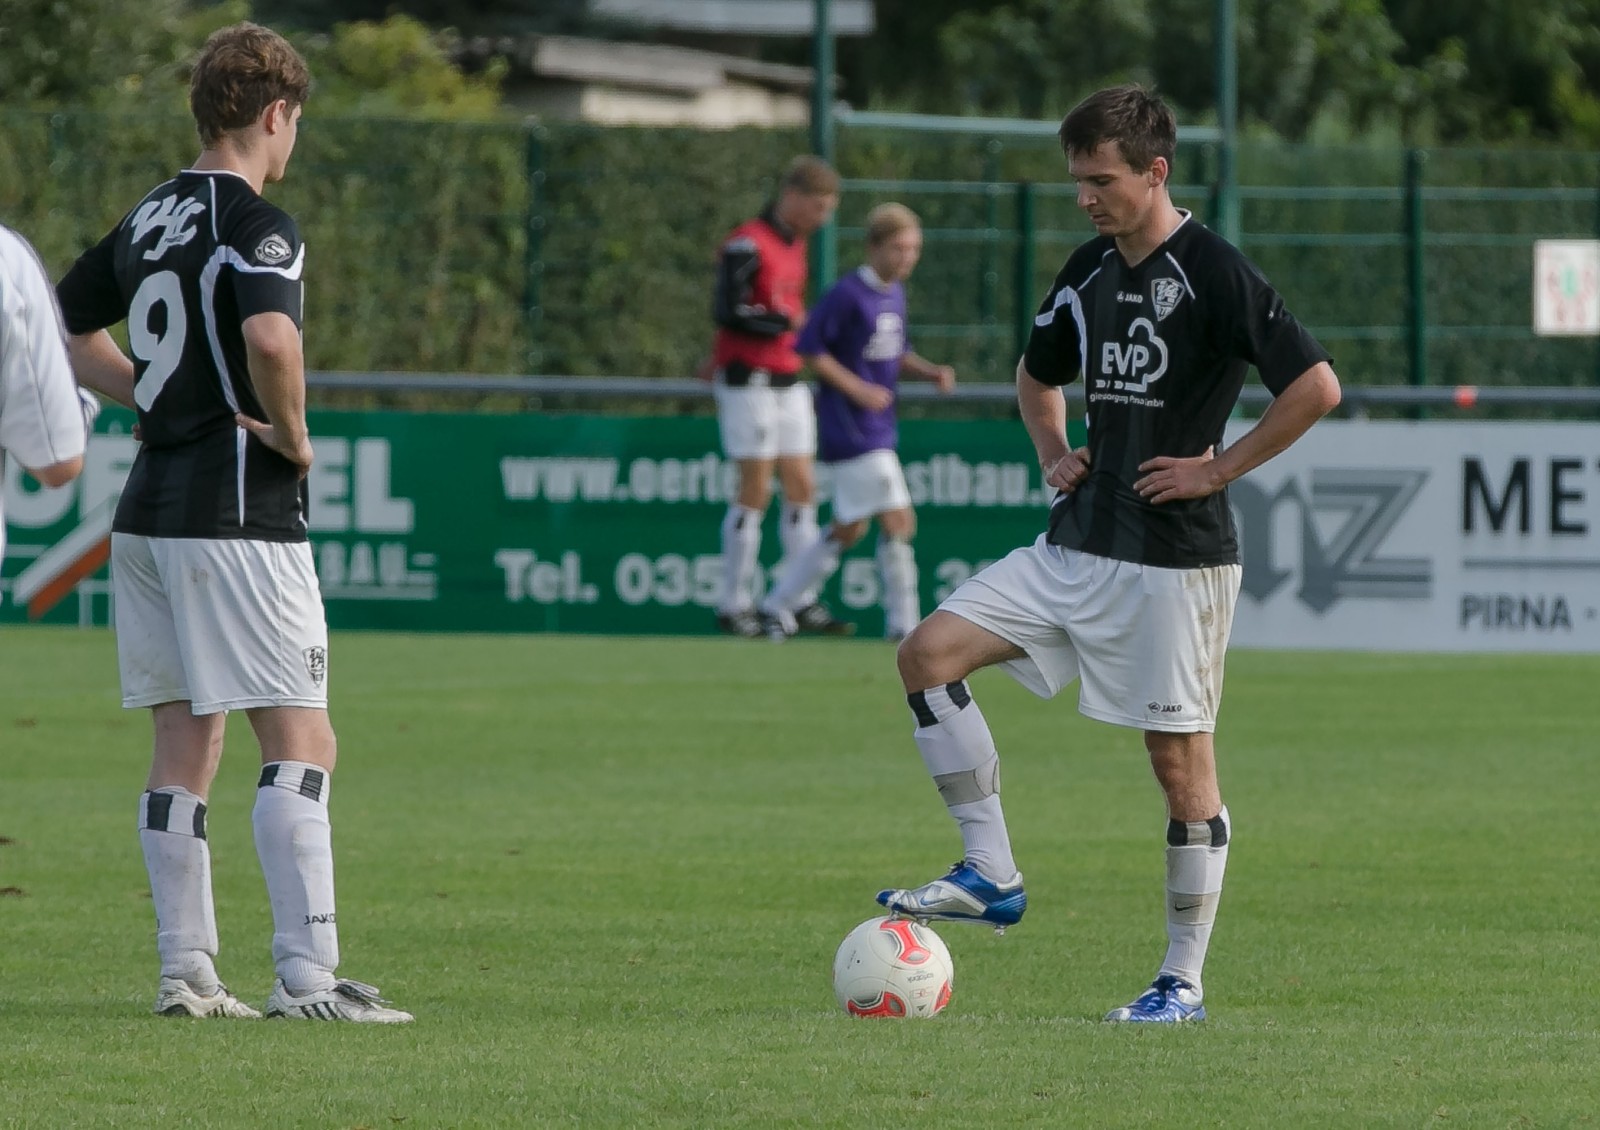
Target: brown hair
x,y
810,175
241,71
1137,119
887,221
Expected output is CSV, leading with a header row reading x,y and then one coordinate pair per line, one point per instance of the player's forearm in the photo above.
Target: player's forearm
x,y
1044,414
1310,397
830,372
99,365
277,372
919,367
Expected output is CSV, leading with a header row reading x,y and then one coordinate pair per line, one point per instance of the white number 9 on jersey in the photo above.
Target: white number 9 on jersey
x,y
160,354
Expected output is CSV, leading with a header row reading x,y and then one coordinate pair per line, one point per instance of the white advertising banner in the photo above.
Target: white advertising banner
x,y
1421,536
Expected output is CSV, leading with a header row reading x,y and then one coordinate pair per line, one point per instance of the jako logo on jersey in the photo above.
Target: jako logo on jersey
x,y
274,250
169,215
1134,360
1168,293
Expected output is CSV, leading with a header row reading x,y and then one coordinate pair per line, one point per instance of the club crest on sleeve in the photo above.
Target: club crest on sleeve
x,y
316,664
273,250
1168,293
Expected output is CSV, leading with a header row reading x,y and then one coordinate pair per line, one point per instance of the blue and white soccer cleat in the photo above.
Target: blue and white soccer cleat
x,y
963,895
1168,1000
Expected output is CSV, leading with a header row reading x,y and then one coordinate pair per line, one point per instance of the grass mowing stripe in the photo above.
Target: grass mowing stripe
x,y
608,875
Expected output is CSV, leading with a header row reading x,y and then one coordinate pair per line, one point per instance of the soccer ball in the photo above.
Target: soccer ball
x,y
892,967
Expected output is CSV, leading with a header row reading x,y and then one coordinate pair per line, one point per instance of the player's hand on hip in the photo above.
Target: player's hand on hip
x,y
295,448
874,398
1167,478
1068,471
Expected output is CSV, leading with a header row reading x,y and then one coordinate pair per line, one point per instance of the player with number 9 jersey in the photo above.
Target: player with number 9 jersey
x,y
186,267
216,600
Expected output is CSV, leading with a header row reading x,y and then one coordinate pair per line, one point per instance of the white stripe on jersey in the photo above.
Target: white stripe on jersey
x,y
1066,294
227,256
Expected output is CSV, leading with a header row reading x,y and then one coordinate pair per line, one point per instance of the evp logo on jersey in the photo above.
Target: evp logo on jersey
x,y
171,217
1133,366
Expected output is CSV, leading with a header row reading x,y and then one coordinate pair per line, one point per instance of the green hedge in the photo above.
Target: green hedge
x,y
503,248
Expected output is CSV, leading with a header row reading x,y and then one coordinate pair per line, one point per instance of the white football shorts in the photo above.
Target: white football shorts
x,y
224,624
759,422
1147,643
869,484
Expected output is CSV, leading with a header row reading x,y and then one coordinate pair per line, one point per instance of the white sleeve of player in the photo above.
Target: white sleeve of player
x,y
41,415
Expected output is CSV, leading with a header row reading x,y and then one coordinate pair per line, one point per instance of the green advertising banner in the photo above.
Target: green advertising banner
x,y
534,523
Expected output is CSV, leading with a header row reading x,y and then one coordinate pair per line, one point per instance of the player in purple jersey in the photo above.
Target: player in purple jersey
x,y
1131,589
855,341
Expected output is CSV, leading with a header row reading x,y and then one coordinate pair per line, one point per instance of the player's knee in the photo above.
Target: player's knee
x,y
923,662
847,534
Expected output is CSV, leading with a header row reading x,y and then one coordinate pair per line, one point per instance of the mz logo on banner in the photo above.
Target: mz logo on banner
x,y
1340,520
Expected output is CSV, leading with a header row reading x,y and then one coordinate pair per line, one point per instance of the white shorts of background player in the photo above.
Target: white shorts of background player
x,y
759,422
226,624
868,485
1147,643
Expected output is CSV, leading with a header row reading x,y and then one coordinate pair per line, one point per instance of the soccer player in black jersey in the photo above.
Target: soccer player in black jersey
x,y
1131,589
217,603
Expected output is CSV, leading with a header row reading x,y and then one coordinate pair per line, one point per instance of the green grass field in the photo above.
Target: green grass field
x,y
609,876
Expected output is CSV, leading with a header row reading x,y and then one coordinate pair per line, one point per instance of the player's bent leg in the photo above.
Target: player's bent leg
x,y
172,839
796,587
959,752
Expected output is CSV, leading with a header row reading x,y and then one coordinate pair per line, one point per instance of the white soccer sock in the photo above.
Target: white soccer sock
x,y
798,532
741,546
295,843
959,752
901,605
803,575
1197,855
172,832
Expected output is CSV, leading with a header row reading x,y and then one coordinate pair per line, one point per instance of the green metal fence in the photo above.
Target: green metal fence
x,y
583,250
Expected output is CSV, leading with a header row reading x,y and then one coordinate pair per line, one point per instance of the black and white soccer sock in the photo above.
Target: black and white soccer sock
x,y
172,832
295,844
741,546
959,752
1197,856
798,533
901,605
802,576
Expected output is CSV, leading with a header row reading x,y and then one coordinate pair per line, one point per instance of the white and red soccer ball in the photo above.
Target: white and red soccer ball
x,y
892,967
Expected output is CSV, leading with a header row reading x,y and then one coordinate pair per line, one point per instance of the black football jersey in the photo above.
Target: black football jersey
x,y
1163,348
195,258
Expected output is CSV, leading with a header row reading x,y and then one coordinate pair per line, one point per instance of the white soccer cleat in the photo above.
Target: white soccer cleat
x,y
177,997
347,1000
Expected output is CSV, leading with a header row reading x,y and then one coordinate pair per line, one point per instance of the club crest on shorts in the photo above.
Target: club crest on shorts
x,y
1167,293
316,663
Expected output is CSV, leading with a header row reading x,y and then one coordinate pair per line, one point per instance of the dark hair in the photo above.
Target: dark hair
x,y
811,176
1137,119
241,71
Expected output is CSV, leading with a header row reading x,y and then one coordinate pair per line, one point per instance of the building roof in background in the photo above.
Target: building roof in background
x,y
636,65
739,17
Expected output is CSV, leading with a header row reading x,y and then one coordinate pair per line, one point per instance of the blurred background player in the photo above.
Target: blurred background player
x,y
764,410
1131,590
855,341
44,416
217,602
